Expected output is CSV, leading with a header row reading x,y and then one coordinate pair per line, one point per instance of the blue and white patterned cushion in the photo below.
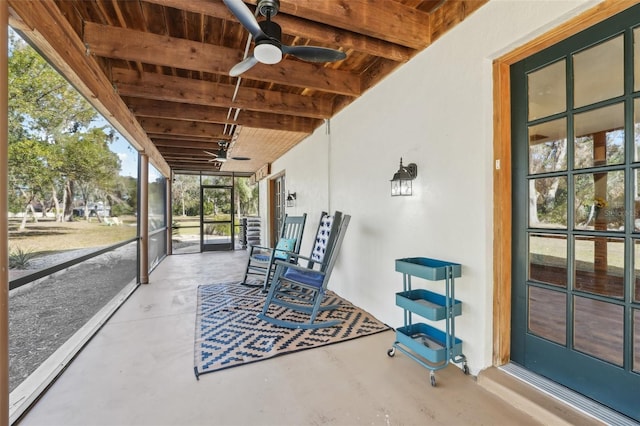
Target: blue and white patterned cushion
x,y
284,245
322,238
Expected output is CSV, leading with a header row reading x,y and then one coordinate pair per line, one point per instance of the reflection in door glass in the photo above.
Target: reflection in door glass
x,y
599,265
548,147
599,201
636,340
598,72
548,259
636,59
636,271
548,314
547,90
599,137
548,202
636,127
598,329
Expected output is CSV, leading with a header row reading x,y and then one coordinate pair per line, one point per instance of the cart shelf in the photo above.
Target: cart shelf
x,y
429,269
429,342
427,304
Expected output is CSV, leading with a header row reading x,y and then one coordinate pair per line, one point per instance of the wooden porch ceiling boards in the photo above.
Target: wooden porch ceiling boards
x,y
160,68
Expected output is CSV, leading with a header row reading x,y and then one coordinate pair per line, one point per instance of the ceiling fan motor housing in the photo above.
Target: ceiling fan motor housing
x,y
267,50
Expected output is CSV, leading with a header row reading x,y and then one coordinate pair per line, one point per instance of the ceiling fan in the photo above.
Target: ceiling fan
x,y
267,35
220,155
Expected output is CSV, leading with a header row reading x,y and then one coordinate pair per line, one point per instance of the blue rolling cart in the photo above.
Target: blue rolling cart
x,y
429,346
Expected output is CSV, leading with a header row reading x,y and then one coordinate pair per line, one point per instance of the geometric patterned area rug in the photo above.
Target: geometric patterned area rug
x,y
229,333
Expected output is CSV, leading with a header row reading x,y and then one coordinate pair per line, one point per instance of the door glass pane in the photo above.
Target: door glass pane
x,y
548,259
216,204
547,90
548,314
636,199
598,329
598,72
548,202
636,59
599,201
636,340
599,265
599,137
636,127
548,146
636,271
216,233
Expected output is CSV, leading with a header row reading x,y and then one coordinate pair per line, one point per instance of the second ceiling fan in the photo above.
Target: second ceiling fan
x,y
267,35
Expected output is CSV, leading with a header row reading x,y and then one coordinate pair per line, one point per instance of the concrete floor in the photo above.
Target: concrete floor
x,y
138,370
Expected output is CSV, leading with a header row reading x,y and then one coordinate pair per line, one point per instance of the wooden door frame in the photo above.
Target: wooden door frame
x,y
502,191
270,238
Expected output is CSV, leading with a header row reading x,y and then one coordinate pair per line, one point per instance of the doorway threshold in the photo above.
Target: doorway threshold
x,y
569,397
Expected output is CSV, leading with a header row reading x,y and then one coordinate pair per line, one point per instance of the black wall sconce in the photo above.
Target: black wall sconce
x,y
401,182
291,199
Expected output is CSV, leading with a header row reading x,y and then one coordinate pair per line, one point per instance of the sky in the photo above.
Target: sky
x,y
123,149
127,154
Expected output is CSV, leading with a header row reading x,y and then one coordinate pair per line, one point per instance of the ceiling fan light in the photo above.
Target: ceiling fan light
x,y
267,53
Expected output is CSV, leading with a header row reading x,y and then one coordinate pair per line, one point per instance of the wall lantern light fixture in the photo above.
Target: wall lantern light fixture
x,y
291,199
401,182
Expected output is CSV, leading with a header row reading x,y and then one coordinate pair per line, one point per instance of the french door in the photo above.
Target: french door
x,y
277,207
576,212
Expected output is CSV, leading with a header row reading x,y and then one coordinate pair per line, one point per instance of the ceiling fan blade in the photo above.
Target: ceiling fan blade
x,y
245,16
210,153
243,66
314,53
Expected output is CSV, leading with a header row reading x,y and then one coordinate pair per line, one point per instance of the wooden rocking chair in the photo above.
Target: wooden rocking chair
x,y
261,262
303,288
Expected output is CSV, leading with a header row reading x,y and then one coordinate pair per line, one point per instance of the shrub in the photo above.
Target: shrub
x,y
20,258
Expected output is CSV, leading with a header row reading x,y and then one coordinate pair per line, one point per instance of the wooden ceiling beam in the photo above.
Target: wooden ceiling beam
x,y
387,20
177,89
184,128
171,140
50,31
196,163
304,28
140,46
185,151
191,112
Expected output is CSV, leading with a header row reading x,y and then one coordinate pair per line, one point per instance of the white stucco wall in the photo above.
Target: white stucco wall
x,y
435,111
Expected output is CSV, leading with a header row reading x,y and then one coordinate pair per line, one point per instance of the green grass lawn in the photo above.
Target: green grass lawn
x,y
48,236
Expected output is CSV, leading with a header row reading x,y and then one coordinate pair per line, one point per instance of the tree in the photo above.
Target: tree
x,y
89,167
247,197
55,147
29,179
185,192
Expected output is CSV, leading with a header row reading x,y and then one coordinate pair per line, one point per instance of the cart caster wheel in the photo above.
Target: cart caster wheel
x,y
465,369
433,381
391,352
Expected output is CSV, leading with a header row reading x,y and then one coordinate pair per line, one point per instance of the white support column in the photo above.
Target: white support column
x,y
143,201
4,225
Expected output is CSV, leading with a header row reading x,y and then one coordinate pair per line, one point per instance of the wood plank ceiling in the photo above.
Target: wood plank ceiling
x,y
168,62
